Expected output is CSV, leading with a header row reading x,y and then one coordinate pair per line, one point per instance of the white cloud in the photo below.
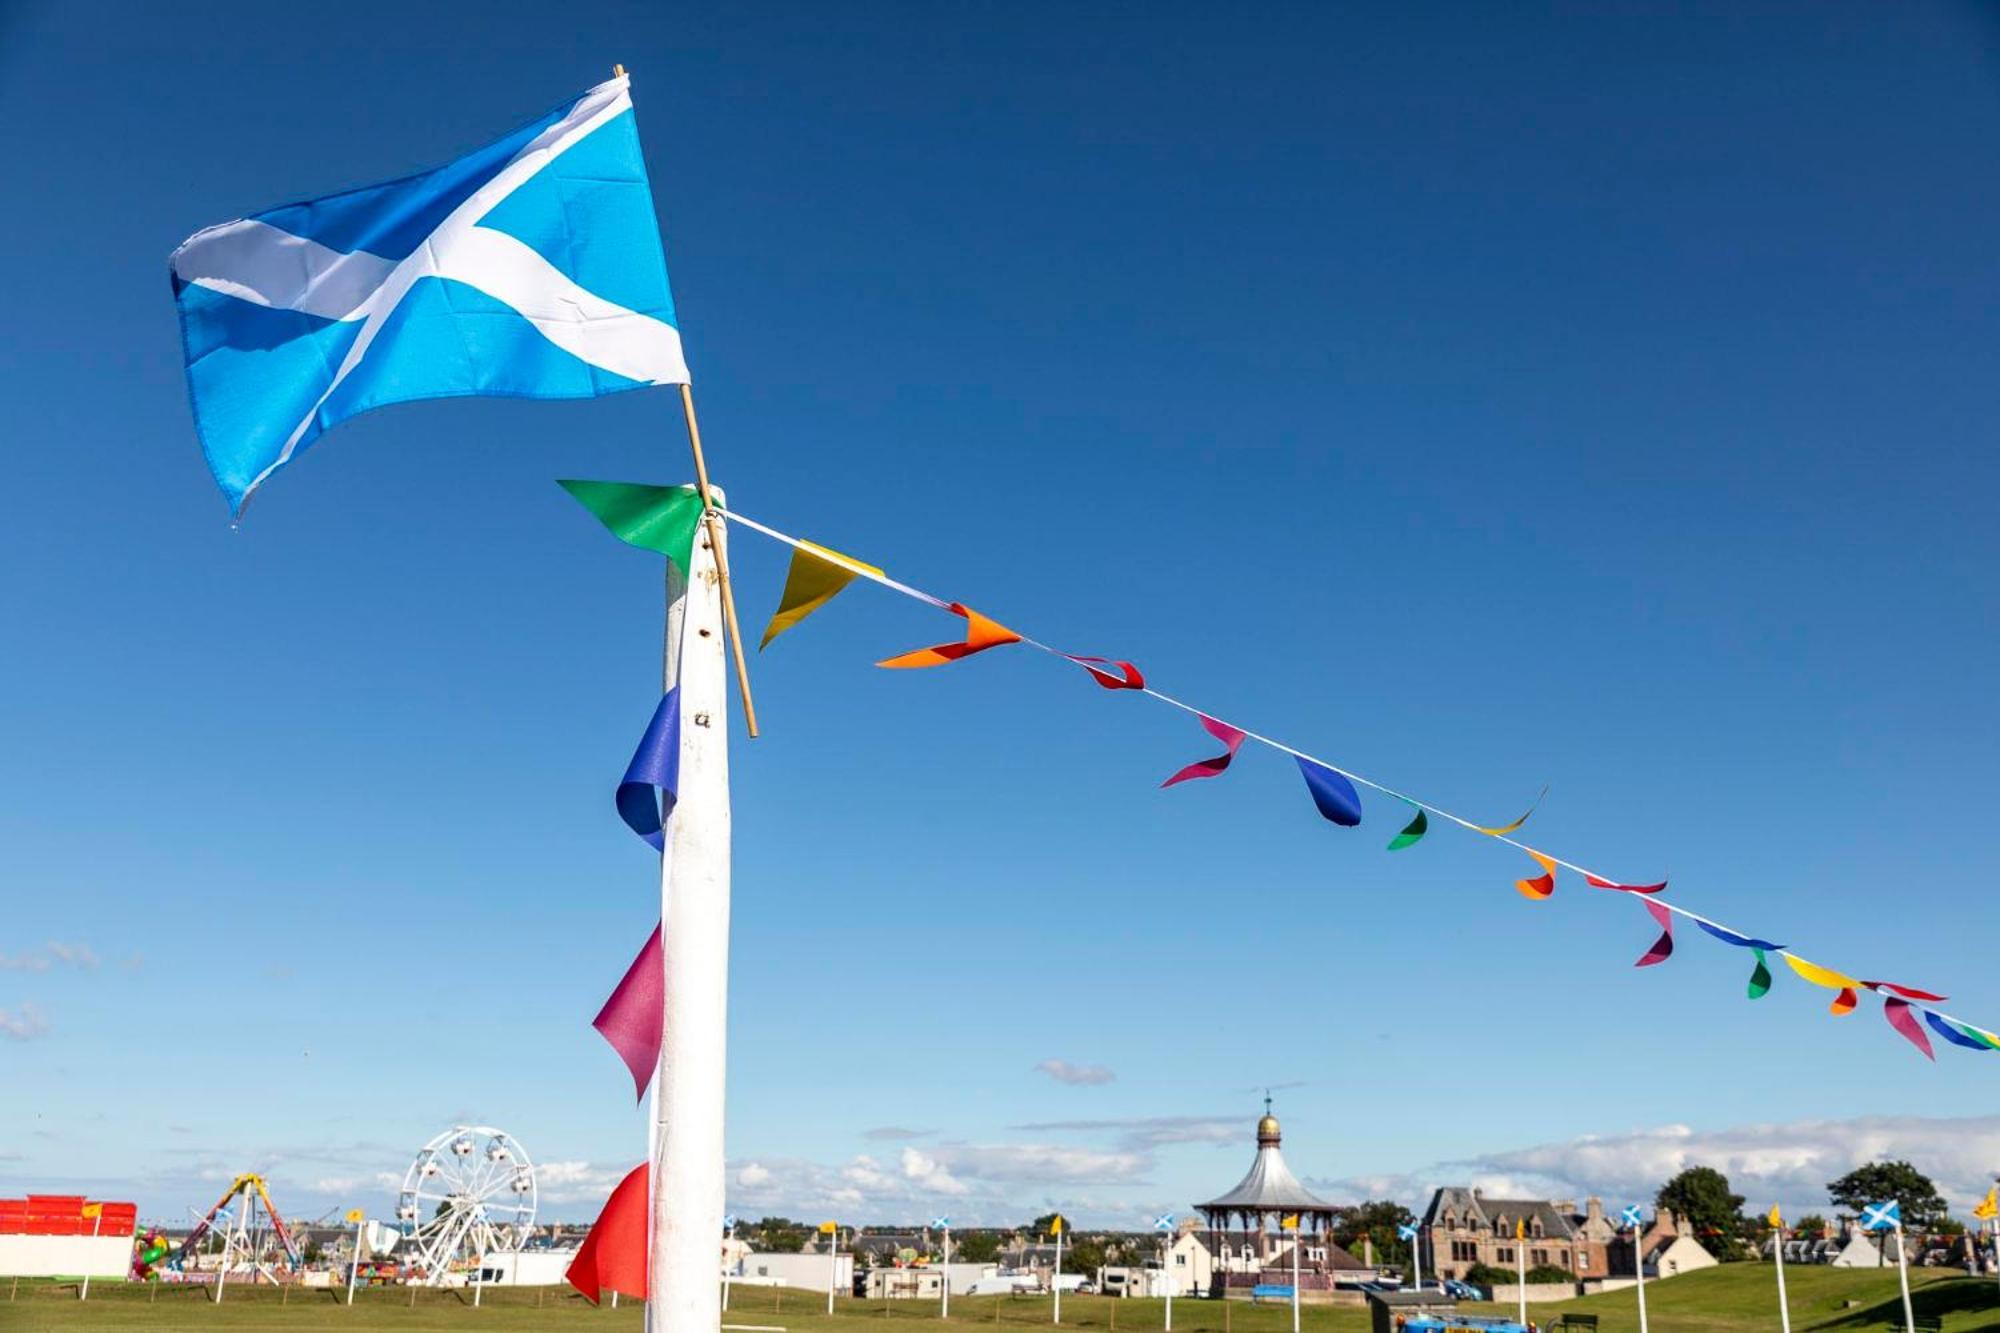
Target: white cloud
x,y
23,1024
1786,1162
1140,1133
751,1175
1062,1071
53,954
896,1134
928,1173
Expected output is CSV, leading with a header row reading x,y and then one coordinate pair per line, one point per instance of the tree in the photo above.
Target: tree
x,y
1550,1273
1039,1228
1878,1182
1375,1221
1809,1227
975,1247
1083,1256
1701,1201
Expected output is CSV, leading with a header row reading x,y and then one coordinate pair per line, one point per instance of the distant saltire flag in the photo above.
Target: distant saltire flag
x,y
613,1256
529,268
1631,1216
1882,1216
1406,1231
1164,1222
941,1222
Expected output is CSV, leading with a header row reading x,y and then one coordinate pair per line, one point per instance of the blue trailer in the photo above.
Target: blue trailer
x,y
1464,1323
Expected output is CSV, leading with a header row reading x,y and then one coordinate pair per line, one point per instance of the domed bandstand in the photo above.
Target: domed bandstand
x,y
1247,1242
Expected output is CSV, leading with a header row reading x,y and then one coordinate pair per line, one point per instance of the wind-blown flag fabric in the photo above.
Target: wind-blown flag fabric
x,y
634,1017
528,268
1232,740
651,785
613,1255
1333,795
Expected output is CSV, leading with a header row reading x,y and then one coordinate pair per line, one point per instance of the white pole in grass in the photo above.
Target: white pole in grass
x,y
832,1261
1520,1270
1298,1243
944,1289
1778,1254
1165,1224
1056,1281
1631,1216
96,1230
687,1134
355,1266
1903,1277
728,1269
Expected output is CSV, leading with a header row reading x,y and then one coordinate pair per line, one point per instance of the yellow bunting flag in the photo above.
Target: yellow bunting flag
x,y
93,1210
1502,830
1290,1222
1777,1222
811,583
1989,1208
1844,1002
1520,1228
1055,1225
828,1228
354,1214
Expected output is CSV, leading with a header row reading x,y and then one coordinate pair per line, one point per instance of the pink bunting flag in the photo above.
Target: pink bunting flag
x,y
632,1017
1597,883
1211,768
1900,1018
1663,947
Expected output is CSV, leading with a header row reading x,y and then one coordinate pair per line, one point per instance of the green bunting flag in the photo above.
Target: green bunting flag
x,y
1413,834
653,518
1760,979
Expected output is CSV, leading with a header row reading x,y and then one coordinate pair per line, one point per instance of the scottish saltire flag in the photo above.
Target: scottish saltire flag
x,y
1882,1216
942,1223
530,268
729,1221
1406,1231
1164,1222
1630,1217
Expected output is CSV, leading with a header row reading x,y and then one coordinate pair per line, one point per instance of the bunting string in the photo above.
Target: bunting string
x,y
1333,791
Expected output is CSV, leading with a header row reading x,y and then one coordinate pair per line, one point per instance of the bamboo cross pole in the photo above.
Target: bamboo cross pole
x,y
714,523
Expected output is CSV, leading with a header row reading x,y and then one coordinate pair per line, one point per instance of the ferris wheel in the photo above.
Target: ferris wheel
x,y
469,1193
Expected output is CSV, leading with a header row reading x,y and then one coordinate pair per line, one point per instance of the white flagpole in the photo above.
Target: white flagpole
x,y
1903,1277
1996,1250
355,1266
1167,1268
479,1278
832,1267
1520,1275
1056,1282
96,1229
1639,1270
1298,1243
1778,1253
1417,1257
687,1135
945,1291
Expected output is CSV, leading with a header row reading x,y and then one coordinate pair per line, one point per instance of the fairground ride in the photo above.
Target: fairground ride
x,y
469,1193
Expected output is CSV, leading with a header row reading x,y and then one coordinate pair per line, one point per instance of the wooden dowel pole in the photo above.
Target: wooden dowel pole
x,y
721,562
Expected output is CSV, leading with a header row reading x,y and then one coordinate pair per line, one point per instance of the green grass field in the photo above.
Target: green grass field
x,y
1737,1298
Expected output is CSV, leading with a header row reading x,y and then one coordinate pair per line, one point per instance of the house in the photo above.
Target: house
x,y
1666,1247
1462,1228
806,1270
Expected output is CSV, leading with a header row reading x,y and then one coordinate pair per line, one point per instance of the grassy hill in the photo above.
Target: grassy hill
x,y
1736,1298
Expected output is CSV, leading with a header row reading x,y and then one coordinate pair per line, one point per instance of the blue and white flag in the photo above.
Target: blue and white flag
x,y
530,268
729,1221
1630,1216
1882,1216
1406,1230
1164,1222
941,1223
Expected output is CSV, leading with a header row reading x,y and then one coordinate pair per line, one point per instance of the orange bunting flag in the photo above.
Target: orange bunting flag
x,y
980,634
1542,885
613,1256
1503,830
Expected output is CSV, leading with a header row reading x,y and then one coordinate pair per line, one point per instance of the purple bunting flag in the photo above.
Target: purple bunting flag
x,y
1231,737
1663,947
1900,1018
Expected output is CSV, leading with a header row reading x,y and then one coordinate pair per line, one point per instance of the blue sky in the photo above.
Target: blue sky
x,y
1598,397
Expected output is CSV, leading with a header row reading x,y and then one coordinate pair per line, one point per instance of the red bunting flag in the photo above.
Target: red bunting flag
x,y
1663,947
631,1019
980,634
1907,992
1900,1018
1596,883
1542,885
613,1256
1211,768
1129,677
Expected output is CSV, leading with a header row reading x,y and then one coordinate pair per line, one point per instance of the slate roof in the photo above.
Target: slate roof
x,y
1483,1212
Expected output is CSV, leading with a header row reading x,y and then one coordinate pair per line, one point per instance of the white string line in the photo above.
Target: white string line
x,y
853,566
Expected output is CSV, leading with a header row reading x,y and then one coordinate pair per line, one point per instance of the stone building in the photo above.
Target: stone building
x,y
1463,1228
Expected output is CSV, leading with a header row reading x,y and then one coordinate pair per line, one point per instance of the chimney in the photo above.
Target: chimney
x,y
1593,1209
